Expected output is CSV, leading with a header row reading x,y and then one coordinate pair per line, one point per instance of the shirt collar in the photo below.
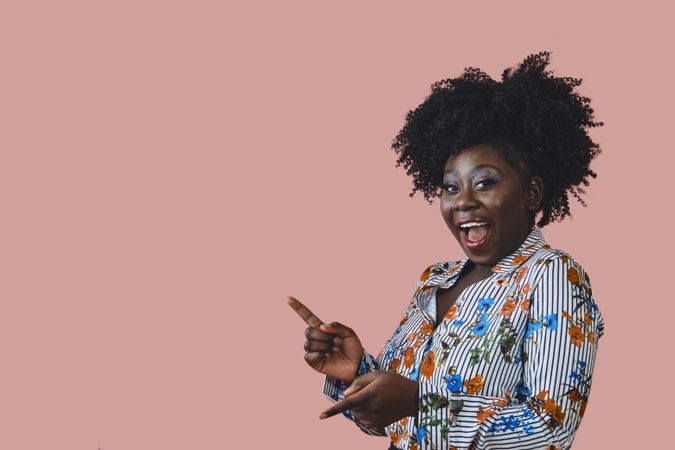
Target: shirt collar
x,y
442,274
533,242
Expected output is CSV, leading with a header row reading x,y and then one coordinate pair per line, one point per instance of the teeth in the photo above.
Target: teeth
x,y
472,224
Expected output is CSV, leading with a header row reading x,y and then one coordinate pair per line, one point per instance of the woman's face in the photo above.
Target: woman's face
x,y
485,203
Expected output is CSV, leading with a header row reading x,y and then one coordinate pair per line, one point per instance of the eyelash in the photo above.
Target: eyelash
x,y
488,181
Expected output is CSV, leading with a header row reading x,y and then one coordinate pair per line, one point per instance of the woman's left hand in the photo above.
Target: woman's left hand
x,y
378,399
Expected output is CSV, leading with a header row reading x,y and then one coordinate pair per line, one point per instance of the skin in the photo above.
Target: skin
x,y
478,183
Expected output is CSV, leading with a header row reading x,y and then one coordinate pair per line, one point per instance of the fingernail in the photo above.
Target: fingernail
x,y
322,416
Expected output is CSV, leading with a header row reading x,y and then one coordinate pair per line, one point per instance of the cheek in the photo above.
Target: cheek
x,y
509,207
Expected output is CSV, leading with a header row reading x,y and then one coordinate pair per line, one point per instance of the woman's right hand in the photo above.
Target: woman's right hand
x,y
332,349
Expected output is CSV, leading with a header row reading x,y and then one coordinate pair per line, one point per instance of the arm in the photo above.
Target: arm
x,y
558,355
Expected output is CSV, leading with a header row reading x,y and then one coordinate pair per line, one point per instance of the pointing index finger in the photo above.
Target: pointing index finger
x,y
345,404
304,312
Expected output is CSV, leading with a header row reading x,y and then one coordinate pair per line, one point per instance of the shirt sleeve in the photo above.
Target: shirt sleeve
x,y
558,354
334,390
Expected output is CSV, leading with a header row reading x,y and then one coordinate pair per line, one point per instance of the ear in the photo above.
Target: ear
x,y
534,191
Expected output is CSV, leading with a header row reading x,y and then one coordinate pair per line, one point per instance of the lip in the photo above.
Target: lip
x,y
461,222
463,235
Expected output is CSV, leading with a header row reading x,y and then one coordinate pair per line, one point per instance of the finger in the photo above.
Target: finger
x,y
315,359
317,346
315,334
304,312
346,404
338,329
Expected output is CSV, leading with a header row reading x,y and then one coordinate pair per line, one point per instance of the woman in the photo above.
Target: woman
x,y
496,350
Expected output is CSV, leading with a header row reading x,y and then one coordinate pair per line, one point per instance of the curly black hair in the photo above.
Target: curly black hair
x,y
531,117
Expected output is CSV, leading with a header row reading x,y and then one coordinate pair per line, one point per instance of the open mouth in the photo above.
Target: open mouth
x,y
474,234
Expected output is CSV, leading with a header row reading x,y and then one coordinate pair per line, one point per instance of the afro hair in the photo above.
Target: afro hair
x,y
536,120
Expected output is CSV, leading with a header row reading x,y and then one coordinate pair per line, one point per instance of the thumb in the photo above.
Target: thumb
x,y
338,329
360,383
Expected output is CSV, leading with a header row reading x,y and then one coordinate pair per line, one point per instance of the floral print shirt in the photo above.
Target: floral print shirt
x,y
510,364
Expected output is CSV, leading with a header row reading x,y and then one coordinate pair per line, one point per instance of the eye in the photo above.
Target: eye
x,y
485,183
450,188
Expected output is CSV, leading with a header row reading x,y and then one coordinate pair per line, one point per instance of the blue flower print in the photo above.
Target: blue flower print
x,y
524,390
485,303
528,413
457,322
575,376
455,383
531,328
363,369
484,317
509,423
421,432
480,328
582,364
415,373
551,321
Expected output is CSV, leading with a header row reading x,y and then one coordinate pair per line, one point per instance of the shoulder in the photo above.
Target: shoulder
x,y
555,265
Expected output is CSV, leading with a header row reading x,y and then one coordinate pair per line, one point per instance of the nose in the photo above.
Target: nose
x,y
465,200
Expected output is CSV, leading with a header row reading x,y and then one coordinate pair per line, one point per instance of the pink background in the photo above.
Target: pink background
x,y
172,171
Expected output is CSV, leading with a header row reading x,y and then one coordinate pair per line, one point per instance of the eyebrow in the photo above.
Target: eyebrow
x,y
474,170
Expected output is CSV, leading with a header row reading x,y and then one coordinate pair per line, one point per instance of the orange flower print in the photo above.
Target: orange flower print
x,y
496,268
395,437
552,447
408,357
576,335
508,308
591,337
483,414
582,408
567,315
587,319
525,304
558,415
413,446
450,315
574,395
521,273
474,385
417,344
564,259
395,363
526,289
403,421
542,395
426,328
411,337
501,281
549,405
518,259
573,275
425,274
428,365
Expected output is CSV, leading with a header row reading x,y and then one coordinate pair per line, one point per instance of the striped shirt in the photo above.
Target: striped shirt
x,y
510,365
